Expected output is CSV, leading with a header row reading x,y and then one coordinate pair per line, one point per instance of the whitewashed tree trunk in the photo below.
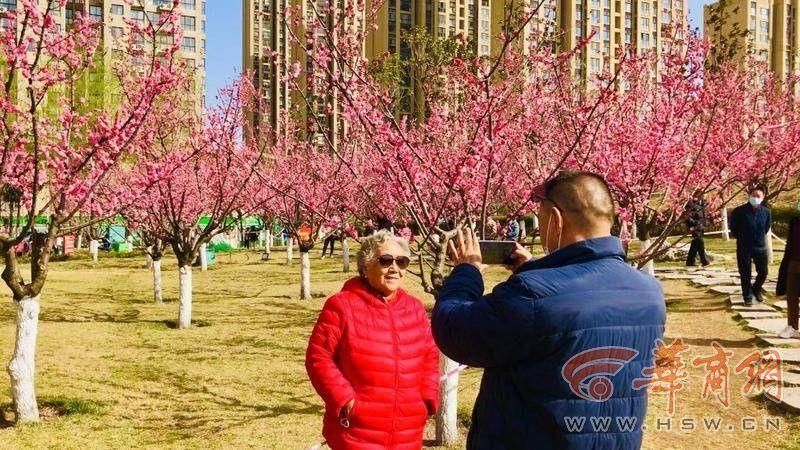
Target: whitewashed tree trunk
x,y
726,233
148,260
650,267
79,244
770,247
203,257
289,251
185,304
305,275
158,291
345,256
523,231
94,248
535,222
22,366
447,417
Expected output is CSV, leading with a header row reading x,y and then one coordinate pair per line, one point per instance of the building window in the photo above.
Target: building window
x,y
117,10
645,8
595,64
158,3
645,24
116,32
188,23
764,13
188,4
646,39
10,5
96,12
188,44
137,15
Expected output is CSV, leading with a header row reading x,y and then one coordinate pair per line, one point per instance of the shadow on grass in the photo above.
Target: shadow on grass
x,y
191,422
53,408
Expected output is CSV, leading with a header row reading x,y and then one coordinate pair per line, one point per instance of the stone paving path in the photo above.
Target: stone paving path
x,y
766,319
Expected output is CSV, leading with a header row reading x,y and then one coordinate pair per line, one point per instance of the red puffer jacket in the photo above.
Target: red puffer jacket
x,y
383,356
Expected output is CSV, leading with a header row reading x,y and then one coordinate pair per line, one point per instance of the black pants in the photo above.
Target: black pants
x,y
745,258
330,240
698,246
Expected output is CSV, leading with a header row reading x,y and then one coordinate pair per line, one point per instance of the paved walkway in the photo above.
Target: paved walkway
x,y
765,319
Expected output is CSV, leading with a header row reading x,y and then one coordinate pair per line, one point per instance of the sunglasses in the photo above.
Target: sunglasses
x,y
387,260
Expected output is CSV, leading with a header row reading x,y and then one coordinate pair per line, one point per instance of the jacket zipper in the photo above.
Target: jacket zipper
x,y
396,371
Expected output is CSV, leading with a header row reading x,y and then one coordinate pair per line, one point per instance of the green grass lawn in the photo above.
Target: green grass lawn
x,y
111,359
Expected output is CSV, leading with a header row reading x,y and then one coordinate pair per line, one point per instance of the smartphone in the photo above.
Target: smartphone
x,y
497,252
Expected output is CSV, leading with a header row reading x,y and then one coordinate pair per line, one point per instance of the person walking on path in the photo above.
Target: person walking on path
x,y
696,221
565,339
749,225
789,277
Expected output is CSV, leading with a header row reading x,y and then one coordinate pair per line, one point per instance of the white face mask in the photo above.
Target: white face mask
x,y
755,201
546,248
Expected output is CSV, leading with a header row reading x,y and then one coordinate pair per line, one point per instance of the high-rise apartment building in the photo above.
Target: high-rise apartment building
x,y
767,29
112,14
614,25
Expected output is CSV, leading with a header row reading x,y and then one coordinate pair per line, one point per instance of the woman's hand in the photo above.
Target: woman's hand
x,y
347,409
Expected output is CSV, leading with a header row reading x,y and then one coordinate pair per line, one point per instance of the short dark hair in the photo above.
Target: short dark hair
x,y
754,188
583,196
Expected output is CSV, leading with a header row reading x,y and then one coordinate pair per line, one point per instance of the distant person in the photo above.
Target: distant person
x,y
329,240
512,229
696,222
789,277
371,356
564,338
491,228
749,225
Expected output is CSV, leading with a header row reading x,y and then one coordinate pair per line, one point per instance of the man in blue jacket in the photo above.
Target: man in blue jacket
x,y
565,339
749,225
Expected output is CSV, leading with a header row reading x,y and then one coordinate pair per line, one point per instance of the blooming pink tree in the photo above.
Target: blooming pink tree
x,y
56,152
207,170
690,130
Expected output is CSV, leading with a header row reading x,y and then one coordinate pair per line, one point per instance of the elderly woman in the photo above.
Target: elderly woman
x,y
371,356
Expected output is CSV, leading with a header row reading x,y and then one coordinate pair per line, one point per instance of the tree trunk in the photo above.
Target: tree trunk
x,y
447,417
345,256
726,234
158,293
649,267
94,248
21,368
79,244
203,257
305,276
289,250
267,244
770,247
148,260
185,304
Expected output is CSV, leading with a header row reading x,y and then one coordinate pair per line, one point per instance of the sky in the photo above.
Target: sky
x,y
224,41
223,45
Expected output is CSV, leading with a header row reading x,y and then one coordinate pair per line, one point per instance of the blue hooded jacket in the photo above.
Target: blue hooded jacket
x,y
561,341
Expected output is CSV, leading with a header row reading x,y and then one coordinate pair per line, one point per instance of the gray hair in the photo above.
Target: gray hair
x,y
370,243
